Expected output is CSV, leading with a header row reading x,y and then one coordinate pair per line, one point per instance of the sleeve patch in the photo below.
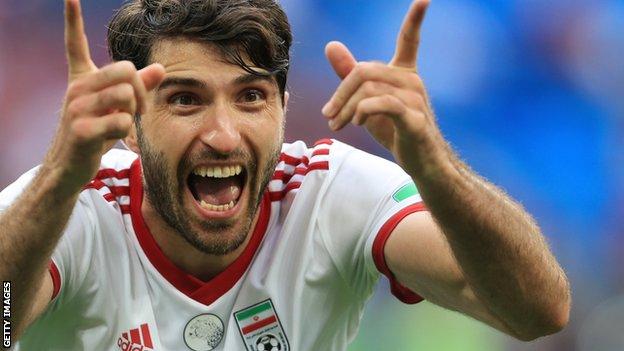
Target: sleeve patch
x,y
405,191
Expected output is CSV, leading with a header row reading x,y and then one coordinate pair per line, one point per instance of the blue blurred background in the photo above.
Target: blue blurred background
x,y
530,93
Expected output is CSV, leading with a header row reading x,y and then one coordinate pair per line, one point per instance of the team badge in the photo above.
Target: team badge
x,y
203,332
260,328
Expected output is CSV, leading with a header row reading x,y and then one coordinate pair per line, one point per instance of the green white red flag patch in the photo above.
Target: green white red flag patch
x,y
260,328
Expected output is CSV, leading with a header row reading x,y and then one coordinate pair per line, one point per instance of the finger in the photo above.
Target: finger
x,y
118,72
76,45
366,90
365,71
152,75
387,105
90,131
340,58
408,39
119,97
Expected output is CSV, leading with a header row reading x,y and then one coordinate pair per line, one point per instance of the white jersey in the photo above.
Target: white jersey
x,y
301,283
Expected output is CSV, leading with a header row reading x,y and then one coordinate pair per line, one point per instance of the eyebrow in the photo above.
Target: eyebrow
x,y
251,78
186,82
198,84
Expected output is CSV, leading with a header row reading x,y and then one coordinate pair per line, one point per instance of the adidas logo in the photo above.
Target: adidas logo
x,y
139,339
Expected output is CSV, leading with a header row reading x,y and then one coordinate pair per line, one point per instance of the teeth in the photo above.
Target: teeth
x,y
212,207
218,172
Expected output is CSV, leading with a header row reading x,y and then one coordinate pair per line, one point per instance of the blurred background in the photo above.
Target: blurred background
x,y
529,92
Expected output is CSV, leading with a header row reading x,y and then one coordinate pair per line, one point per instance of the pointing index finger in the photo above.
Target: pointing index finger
x,y
76,45
409,36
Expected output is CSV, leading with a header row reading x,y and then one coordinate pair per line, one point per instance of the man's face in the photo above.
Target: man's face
x,y
209,143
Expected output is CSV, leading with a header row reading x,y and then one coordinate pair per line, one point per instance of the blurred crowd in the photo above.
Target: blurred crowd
x,y
529,92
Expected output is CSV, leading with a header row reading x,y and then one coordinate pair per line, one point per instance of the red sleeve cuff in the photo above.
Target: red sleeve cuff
x,y
56,279
401,292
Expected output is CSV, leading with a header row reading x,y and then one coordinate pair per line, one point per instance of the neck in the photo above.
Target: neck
x,y
201,265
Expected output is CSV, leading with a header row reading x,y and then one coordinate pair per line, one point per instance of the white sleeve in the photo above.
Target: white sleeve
x,y
365,200
71,257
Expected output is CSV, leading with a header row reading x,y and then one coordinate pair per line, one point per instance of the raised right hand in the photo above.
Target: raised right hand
x,y
99,106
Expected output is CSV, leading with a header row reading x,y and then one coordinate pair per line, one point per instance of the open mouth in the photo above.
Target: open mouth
x,y
217,188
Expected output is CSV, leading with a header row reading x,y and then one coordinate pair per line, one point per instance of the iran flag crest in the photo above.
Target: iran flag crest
x,y
260,328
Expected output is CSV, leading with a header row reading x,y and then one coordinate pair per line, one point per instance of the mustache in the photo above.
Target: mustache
x,y
208,154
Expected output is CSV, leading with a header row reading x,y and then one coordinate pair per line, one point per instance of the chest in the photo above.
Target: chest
x,y
290,295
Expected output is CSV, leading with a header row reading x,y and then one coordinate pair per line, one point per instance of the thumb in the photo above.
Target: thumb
x,y
152,75
340,58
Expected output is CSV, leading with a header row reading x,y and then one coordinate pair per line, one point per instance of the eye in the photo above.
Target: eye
x,y
252,95
184,99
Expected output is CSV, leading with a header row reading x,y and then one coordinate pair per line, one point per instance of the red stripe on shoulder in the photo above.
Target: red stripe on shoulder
x,y
326,141
303,165
125,209
290,160
99,183
279,195
323,165
120,190
401,292
56,279
94,184
112,173
318,152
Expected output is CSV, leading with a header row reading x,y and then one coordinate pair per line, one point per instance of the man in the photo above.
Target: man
x,y
212,234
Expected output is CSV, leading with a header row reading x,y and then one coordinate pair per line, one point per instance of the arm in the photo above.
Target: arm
x,y
29,234
477,251
482,255
98,110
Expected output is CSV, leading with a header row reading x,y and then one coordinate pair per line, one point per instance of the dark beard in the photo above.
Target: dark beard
x,y
166,195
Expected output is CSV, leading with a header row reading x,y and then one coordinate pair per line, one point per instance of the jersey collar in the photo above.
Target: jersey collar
x,y
205,292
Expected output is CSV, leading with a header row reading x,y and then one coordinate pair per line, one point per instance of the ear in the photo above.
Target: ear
x,y
131,140
286,98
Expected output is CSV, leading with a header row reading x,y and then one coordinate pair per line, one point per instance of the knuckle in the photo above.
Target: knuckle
x,y
360,109
416,81
115,125
419,115
392,101
125,91
339,100
81,131
387,99
370,88
126,67
75,88
419,101
124,122
118,93
377,65
75,108
360,69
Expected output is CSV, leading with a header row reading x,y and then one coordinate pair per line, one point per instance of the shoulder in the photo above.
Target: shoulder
x,y
296,163
15,189
112,181
118,159
324,161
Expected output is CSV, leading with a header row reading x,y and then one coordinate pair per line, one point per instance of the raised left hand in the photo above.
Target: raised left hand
x,y
388,99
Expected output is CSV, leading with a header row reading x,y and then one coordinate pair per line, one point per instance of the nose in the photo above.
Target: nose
x,y
220,131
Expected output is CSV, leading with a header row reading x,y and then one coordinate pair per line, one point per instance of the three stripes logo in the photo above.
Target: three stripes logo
x,y
137,339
